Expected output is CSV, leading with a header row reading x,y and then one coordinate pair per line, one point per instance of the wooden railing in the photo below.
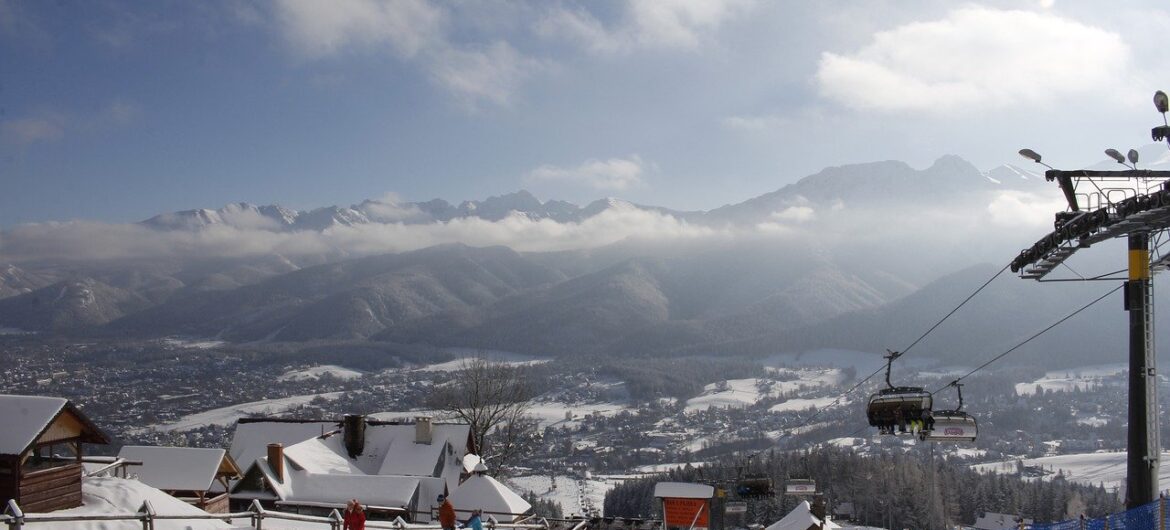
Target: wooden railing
x,y
16,519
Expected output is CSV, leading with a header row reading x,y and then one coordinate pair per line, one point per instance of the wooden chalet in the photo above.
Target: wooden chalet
x,y
201,477
41,450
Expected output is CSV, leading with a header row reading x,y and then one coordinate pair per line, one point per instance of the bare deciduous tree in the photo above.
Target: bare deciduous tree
x,y
494,398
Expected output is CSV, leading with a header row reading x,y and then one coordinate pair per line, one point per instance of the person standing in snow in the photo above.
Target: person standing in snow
x,y
474,522
447,514
354,517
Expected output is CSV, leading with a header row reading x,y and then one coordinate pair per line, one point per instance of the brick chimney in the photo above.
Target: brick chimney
x,y
422,430
276,460
354,428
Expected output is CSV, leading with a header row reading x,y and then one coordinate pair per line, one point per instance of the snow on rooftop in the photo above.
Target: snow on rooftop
x,y
24,418
251,440
111,495
488,494
683,490
228,415
800,518
174,468
314,373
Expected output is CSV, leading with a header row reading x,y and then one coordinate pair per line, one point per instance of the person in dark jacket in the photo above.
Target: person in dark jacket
x,y
354,517
447,514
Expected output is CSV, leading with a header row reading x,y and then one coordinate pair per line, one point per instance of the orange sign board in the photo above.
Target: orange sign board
x,y
682,512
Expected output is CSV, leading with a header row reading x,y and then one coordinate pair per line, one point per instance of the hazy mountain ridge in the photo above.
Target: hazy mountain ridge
x,y
849,256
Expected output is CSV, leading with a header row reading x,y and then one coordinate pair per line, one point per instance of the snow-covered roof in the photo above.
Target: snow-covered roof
x,y
251,438
26,418
175,468
111,495
683,490
800,518
488,494
301,487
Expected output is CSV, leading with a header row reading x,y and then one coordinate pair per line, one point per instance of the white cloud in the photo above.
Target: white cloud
x,y
1023,209
492,74
412,30
82,240
682,24
798,214
317,29
26,131
52,125
612,174
976,58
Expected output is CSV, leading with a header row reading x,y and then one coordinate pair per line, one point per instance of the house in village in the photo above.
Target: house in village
x,y
201,477
395,469
41,448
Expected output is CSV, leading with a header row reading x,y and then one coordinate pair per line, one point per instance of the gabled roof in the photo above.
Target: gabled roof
x,y
486,493
178,468
800,518
27,418
323,489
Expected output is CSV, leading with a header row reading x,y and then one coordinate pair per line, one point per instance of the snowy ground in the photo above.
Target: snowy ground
x,y
193,344
559,414
114,496
1083,378
458,364
576,495
228,415
1089,468
314,373
745,392
799,404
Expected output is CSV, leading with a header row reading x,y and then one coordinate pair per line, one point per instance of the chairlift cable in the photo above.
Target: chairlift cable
x,y
841,396
1029,339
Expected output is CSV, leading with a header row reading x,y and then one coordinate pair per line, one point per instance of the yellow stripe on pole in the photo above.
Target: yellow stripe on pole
x,y
1139,264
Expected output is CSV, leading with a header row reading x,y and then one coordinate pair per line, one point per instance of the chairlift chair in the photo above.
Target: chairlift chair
x,y
952,425
883,407
754,485
800,487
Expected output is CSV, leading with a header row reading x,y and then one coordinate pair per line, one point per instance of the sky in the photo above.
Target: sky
x,y
116,111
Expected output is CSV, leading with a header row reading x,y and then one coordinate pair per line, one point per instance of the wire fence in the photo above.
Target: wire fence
x,y
1153,516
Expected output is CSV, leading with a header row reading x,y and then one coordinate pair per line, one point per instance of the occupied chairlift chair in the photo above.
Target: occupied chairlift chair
x,y
952,425
883,406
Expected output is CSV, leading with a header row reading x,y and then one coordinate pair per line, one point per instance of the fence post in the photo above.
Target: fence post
x,y
147,512
1162,511
257,514
335,520
14,511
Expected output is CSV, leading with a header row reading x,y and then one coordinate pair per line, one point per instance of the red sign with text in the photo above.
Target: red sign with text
x,y
682,512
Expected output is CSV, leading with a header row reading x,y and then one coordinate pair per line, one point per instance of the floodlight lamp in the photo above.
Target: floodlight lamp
x,y
1161,102
1115,155
1030,155
1132,155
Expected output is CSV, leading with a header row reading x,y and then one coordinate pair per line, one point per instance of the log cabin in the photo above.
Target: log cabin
x,y
41,447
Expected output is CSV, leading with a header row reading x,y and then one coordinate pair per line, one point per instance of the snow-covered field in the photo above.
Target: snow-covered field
x,y
193,344
799,404
458,364
746,392
314,373
558,414
575,495
1088,468
1082,378
228,415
